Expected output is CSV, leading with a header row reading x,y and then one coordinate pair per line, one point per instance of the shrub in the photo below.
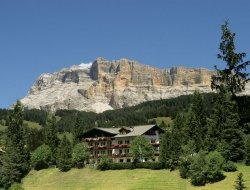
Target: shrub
x,y
16,186
105,164
41,157
80,154
197,173
214,162
122,166
150,165
229,167
184,168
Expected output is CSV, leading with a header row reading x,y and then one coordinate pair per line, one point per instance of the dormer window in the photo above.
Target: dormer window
x,y
124,130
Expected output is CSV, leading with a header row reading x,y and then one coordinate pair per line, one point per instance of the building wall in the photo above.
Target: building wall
x,y
118,147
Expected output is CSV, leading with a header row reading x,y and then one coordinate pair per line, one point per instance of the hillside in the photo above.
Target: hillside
x,y
84,179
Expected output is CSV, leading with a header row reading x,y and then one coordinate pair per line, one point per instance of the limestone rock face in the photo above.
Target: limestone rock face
x,y
104,85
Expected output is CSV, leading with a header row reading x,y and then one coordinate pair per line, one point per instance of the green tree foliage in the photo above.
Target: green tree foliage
x,y
15,161
16,186
50,134
35,115
170,149
104,164
141,149
247,161
80,154
195,128
77,130
232,76
64,155
224,133
239,183
41,157
33,138
214,168
206,168
197,172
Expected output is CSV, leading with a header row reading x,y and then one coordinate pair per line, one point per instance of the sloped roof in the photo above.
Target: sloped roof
x,y
137,130
109,130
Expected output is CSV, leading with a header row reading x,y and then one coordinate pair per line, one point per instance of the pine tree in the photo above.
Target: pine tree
x,y
171,140
15,163
247,161
50,135
224,129
232,76
239,183
195,127
64,155
77,130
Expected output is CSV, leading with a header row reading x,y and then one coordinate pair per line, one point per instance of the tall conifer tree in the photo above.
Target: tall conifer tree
x,y
15,163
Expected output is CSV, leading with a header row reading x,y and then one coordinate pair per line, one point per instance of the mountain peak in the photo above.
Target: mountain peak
x,y
104,85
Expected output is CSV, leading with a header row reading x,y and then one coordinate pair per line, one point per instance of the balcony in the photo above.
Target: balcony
x,y
120,145
121,155
155,144
97,139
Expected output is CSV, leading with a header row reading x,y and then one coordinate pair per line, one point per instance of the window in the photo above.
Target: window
x,y
103,152
120,151
126,141
126,151
120,142
109,152
121,160
128,160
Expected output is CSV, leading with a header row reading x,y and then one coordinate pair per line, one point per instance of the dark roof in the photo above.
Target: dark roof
x,y
137,131
133,131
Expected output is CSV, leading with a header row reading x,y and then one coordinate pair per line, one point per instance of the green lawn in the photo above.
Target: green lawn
x,y
143,179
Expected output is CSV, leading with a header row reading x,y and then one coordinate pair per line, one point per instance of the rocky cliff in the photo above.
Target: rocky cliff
x,y
104,85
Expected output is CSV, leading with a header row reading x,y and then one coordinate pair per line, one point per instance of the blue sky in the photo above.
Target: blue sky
x,y
47,35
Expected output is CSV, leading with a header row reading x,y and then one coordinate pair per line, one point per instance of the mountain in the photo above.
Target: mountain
x,y
104,85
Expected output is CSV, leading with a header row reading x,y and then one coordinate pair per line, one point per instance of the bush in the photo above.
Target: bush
x,y
197,173
105,164
41,157
80,154
214,162
229,167
122,166
16,186
150,165
184,168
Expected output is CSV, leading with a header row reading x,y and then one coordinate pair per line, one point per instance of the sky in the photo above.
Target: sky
x,y
38,36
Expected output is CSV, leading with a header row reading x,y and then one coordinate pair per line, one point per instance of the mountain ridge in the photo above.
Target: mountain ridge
x,y
105,85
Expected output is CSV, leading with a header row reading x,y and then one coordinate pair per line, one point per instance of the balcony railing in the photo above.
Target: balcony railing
x,y
120,145
97,139
155,144
121,155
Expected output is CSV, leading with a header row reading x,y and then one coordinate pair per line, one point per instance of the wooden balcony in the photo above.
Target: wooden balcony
x,y
120,146
97,139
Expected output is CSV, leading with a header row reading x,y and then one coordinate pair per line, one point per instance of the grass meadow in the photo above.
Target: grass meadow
x,y
138,179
